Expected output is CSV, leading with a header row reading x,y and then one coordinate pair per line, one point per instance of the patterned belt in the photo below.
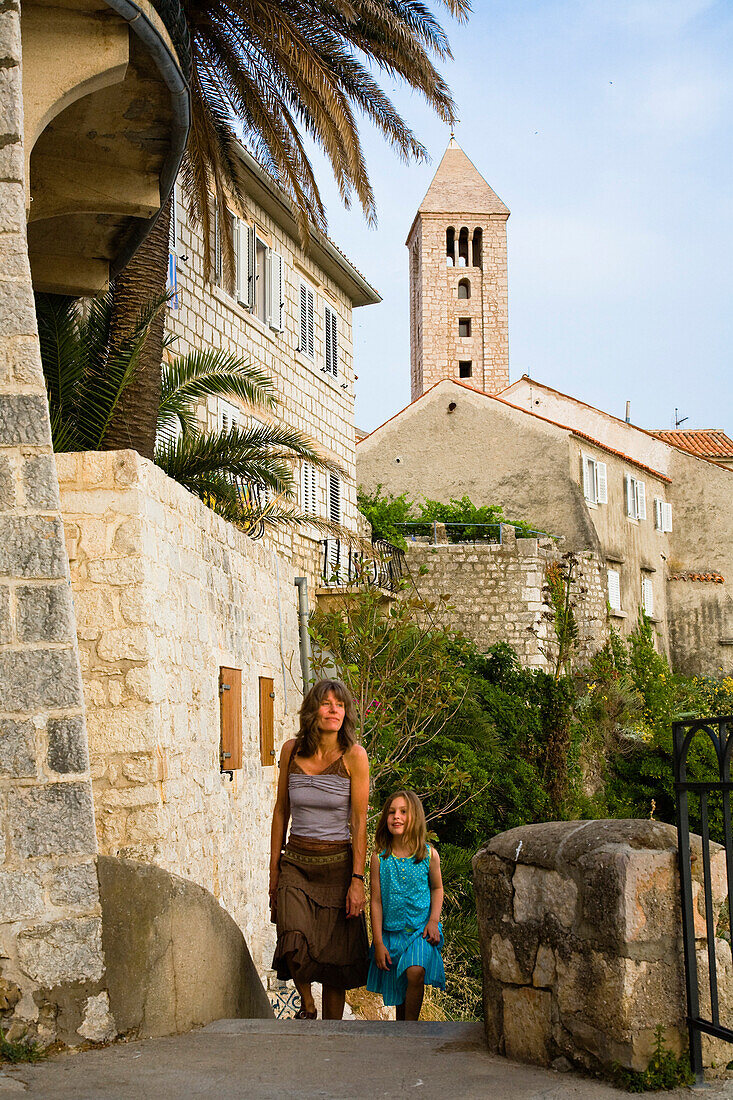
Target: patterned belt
x,y
316,860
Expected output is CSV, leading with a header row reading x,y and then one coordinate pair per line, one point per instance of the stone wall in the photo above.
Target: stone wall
x,y
494,593
166,593
51,961
581,942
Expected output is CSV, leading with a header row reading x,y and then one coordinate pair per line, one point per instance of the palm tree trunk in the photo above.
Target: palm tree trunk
x,y
136,417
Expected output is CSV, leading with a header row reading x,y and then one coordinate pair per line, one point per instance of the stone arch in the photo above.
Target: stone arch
x,y
464,288
450,246
463,247
477,247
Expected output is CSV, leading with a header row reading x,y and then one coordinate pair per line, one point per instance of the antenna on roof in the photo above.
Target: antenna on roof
x,y
677,421
628,412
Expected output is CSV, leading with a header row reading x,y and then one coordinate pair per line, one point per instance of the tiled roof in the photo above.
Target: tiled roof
x,y
703,442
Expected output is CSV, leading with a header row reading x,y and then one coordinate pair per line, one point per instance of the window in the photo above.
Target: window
x,y
465,368
309,489
450,246
244,261
464,326
595,481
257,280
306,320
334,498
662,515
614,589
464,288
261,295
230,695
477,248
463,247
331,352
267,721
635,498
172,280
276,287
230,416
647,595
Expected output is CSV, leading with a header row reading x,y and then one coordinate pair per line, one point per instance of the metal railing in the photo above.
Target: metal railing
x,y
719,731
377,563
470,532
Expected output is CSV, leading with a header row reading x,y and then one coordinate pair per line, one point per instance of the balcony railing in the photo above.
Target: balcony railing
x,y
377,563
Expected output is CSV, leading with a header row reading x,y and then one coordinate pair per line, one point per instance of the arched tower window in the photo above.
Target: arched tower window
x,y
463,247
450,246
464,288
478,241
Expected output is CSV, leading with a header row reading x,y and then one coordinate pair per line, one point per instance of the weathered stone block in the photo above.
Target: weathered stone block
x,y
538,892
6,630
40,484
67,745
65,951
32,546
98,1024
17,748
7,484
130,643
54,820
527,1025
23,416
21,895
39,678
44,613
75,887
503,962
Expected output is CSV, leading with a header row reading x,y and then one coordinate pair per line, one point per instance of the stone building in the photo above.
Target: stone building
x,y
458,280
289,311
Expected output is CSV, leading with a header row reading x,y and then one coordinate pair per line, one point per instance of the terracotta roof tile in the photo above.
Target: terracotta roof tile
x,y
704,442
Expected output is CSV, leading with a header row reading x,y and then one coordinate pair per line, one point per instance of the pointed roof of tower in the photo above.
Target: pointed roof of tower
x,y
459,186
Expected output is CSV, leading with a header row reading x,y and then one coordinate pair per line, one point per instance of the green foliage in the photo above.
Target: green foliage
x,y
386,513
665,1070
21,1051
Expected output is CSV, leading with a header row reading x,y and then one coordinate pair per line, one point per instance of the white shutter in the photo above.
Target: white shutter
x,y
666,516
309,500
601,483
218,261
229,415
588,479
173,227
630,504
647,596
331,326
640,500
244,237
275,310
306,320
614,589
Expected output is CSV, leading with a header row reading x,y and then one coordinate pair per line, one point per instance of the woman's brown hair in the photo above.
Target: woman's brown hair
x,y
306,741
415,836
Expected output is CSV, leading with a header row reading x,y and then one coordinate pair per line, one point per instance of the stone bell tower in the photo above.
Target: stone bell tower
x,y
458,281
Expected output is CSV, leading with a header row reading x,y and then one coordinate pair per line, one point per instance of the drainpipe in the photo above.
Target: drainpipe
x,y
305,643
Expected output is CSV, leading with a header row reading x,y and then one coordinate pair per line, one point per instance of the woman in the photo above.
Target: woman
x,y
317,883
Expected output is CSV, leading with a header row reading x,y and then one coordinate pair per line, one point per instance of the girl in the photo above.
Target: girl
x,y
407,896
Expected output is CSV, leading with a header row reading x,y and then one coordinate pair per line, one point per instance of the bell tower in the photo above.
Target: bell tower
x,y
458,281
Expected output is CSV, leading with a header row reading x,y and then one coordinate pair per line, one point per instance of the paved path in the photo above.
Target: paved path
x,y
272,1060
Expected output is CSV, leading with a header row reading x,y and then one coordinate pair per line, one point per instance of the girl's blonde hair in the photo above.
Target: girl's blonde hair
x,y
415,835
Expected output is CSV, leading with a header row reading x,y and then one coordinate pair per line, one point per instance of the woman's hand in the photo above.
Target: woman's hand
x,y
274,879
355,898
382,956
432,932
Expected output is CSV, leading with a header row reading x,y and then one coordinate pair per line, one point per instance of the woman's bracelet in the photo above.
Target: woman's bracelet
x,y
361,877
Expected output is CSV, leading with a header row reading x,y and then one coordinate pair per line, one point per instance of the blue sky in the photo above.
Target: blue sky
x,y
606,127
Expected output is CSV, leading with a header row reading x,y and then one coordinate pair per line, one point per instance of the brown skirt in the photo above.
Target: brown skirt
x,y
312,926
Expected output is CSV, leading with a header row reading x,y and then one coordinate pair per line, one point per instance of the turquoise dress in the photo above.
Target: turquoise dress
x,y
405,912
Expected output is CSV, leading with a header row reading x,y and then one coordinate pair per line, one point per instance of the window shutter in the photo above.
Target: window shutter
x,y
267,721
614,589
666,516
218,258
230,693
306,320
229,415
640,500
630,510
331,325
276,291
658,521
173,228
587,478
309,489
601,483
334,498
647,595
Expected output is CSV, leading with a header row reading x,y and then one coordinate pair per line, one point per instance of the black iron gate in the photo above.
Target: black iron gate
x,y
720,733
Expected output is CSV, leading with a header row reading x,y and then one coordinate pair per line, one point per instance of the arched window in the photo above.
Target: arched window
x,y
450,246
464,288
478,240
463,248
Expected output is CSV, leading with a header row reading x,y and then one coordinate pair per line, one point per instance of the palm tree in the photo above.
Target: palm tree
x,y
270,74
245,474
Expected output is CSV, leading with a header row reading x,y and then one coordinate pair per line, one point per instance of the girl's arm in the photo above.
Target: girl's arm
x,y
280,818
381,954
435,881
358,766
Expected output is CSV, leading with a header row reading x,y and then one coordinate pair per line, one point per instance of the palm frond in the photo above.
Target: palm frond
x,y
204,374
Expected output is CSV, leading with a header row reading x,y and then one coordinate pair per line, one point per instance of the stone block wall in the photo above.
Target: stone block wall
x,y
581,942
166,593
51,960
494,592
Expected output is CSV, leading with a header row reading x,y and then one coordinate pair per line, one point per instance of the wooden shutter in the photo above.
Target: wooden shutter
x,y
267,721
218,256
275,311
601,483
614,589
640,500
306,320
331,326
334,498
666,516
230,692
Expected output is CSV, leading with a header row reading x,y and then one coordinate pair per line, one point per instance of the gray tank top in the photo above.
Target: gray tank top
x,y
320,805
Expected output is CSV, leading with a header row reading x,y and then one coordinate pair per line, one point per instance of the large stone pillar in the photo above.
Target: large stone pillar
x,y
51,961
